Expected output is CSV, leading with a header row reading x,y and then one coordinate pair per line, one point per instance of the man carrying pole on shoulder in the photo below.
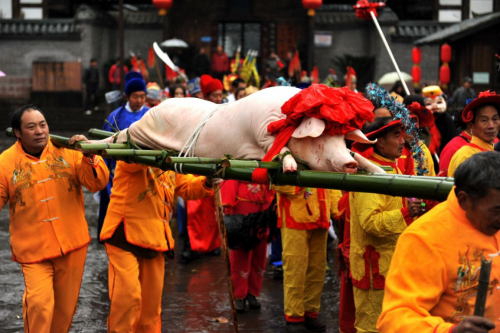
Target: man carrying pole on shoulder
x,y
377,220
48,231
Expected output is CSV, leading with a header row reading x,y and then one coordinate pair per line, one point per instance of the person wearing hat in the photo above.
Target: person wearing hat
x,y
463,93
444,128
211,88
194,88
154,94
377,220
433,281
423,120
120,119
202,230
483,114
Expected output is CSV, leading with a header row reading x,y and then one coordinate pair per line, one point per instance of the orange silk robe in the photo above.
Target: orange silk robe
x,y
47,215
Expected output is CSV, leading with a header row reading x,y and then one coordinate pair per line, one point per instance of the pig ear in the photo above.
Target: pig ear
x,y
358,136
312,127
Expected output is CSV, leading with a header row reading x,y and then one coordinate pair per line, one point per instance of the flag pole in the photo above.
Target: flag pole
x,y
381,33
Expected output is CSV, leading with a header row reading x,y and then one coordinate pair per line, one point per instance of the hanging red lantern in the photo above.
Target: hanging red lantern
x,y
416,74
445,53
416,54
311,6
163,5
444,75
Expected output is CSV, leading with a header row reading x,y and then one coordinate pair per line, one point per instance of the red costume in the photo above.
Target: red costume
x,y
450,149
247,268
202,225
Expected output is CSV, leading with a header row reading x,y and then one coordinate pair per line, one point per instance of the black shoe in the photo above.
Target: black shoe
x,y
295,327
278,273
239,305
314,325
188,256
215,252
253,303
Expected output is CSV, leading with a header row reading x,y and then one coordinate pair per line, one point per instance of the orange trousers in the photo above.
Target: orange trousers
x,y
135,291
51,292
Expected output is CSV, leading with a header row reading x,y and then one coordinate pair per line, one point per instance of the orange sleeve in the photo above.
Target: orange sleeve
x,y
416,280
190,187
4,190
92,172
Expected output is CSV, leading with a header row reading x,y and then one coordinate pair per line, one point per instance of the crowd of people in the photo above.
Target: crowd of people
x,y
406,264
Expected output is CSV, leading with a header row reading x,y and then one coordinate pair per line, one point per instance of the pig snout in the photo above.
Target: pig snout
x,y
350,167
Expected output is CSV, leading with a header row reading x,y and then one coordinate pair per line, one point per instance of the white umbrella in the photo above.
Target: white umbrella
x,y
392,77
174,42
2,74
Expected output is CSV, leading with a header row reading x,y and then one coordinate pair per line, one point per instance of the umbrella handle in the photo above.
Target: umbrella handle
x,y
390,52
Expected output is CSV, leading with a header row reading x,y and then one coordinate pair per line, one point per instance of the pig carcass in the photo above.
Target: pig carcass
x,y
240,129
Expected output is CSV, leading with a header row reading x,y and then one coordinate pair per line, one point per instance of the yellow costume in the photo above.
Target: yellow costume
x,y
141,203
433,279
429,162
304,217
377,220
475,146
48,231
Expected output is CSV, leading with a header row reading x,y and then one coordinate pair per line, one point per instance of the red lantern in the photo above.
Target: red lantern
x,y
445,53
416,74
311,5
163,5
444,75
416,54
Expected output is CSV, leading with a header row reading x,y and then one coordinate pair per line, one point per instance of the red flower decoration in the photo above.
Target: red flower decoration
x,y
343,110
364,7
483,98
424,116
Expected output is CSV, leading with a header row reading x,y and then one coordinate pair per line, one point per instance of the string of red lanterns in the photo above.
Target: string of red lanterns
x,y
163,6
416,72
311,6
444,71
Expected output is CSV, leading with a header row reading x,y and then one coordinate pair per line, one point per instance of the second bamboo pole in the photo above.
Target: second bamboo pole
x,y
225,251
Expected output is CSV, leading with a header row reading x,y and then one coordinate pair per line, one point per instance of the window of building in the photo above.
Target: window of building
x,y
244,35
29,9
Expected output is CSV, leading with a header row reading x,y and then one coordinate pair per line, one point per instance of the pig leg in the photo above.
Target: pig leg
x,y
366,164
289,164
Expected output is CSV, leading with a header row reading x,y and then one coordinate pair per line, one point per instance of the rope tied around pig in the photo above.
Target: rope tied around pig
x,y
342,110
189,147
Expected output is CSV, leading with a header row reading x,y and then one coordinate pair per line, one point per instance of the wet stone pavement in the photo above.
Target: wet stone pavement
x,y
194,294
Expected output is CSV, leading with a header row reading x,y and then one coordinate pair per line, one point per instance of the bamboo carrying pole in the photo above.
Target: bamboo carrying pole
x,y
225,251
435,188
483,287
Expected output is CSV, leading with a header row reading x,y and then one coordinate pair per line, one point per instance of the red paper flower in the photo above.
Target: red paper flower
x,y
424,116
343,110
364,7
483,98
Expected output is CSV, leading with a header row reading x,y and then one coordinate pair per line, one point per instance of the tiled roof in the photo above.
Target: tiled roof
x,y
50,28
411,30
344,14
459,30
146,17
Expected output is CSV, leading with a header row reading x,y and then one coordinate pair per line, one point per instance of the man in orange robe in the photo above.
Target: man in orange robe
x,y
48,231
136,233
434,275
